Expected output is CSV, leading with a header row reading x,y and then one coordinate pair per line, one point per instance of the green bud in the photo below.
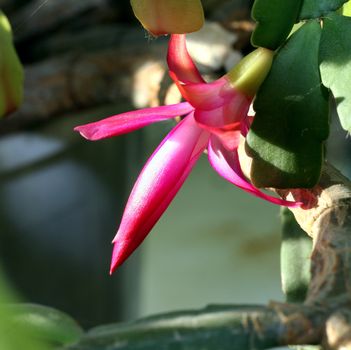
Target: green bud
x,y
248,75
11,78
169,16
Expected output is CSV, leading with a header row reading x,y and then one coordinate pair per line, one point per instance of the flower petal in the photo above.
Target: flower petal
x,y
126,122
232,112
230,139
207,96
228,121
180,62
245,125
158,183
227,165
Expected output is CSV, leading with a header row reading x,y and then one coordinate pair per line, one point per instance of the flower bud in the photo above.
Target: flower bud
x,y
248,75
11,77
169,16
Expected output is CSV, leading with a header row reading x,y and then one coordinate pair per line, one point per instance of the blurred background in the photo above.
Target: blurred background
x,y
62,197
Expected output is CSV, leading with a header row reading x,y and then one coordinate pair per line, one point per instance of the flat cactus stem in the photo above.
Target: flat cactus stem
x,y
215,327
295,262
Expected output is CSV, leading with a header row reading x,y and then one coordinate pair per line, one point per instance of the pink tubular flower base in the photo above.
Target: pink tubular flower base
x,y
215,115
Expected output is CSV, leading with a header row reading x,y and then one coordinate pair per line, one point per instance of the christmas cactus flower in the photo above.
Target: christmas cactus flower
x,y
215,117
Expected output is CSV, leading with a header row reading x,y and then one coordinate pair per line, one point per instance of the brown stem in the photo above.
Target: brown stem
x,y
327,219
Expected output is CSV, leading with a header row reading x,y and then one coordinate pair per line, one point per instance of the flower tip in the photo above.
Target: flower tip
x,y
80,129
112,269
120,253
116,259
87,132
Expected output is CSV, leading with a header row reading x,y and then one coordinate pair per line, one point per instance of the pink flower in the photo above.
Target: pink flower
x,y
215,115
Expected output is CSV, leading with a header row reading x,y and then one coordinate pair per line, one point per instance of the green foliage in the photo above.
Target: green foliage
x,y
17,338
335,63
295,261
275,19
11,78
346,9
292,116
33,327
318,8
45,323
14,337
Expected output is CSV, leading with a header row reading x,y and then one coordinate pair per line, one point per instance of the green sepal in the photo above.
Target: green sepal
x,y
292,116
335,63
295,260
275,19
319,8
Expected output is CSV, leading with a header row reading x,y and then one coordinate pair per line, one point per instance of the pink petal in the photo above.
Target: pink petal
x,y
230,139
180,62
245,125
158,183
208,96
227,165
126,122
231,112
227,121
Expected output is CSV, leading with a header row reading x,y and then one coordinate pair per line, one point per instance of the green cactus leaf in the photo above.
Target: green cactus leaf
x,y
275,19
292,116
346,9
45,323
295,256
14,337
216,327
319,8
12,76
335,63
